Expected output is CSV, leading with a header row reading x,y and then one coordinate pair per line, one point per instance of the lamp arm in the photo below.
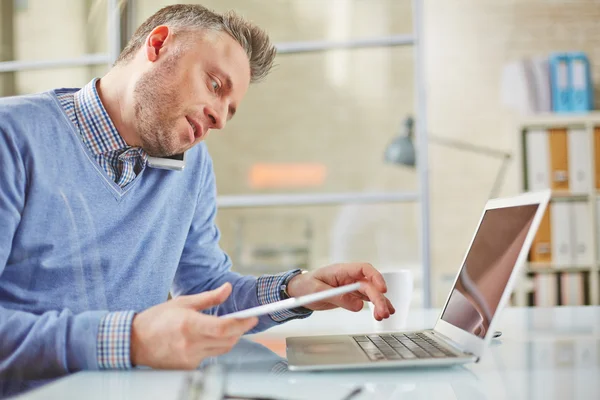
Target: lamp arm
x,y
457,144
495,192
506,157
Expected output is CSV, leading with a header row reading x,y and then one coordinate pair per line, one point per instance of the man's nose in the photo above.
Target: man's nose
x,y
217,118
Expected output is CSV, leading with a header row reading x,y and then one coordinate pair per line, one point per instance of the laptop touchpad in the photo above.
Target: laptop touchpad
x,y
326,348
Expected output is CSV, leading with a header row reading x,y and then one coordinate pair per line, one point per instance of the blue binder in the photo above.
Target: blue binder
x,y
559,82
580,80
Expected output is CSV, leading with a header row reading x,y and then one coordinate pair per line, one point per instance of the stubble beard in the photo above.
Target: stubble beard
x,y
156,111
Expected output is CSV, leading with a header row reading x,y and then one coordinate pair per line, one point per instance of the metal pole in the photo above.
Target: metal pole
x,y
324,45
114,30
422,153
313,199
7,81
128,24
87,59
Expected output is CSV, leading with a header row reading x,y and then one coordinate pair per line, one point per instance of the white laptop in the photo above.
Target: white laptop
x,y
465,326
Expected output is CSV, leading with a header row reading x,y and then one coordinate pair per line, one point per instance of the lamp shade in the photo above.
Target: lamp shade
x,y
401,150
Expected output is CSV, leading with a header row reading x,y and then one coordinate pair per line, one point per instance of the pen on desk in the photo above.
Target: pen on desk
x,y
230,397
349,396
353,393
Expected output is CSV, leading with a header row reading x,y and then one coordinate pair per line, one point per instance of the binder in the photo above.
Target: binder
x,y
559,82
561,234
537,152
541,248
580,83
516,90
579,161
540,71
546,292
559,159
572,289
581,230
597,156
597,225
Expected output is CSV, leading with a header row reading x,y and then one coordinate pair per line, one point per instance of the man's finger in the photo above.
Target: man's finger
x,y
359,295
378,299
364,271
390,306
202,301
350,303
364,297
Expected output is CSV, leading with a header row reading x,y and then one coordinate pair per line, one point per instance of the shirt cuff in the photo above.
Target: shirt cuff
x,y
114,340
269,291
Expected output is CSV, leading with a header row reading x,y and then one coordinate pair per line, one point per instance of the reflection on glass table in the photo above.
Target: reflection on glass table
x,y
269,244
551,353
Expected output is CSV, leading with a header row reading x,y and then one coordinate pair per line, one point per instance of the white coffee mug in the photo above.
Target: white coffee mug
x,y
399,292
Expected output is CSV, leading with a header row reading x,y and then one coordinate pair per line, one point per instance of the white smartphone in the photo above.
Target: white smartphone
x,y
293,302
175,162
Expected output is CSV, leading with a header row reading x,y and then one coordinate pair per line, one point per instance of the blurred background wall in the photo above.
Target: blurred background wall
x,y
327,117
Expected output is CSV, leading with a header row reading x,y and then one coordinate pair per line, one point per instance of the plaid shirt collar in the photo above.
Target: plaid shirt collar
x,y
97,129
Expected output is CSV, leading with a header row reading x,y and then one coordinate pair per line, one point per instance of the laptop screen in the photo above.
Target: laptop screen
x,y
488,266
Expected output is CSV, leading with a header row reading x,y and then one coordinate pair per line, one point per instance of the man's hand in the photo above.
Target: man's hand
x,y
174,335
372,288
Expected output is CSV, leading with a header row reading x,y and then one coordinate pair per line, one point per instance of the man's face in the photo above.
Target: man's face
x,y
186,93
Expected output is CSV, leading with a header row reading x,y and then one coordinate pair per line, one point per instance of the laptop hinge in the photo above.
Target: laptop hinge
x,y
447,339
453,344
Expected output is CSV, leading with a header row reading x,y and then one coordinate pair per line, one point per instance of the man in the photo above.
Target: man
x,y
92,239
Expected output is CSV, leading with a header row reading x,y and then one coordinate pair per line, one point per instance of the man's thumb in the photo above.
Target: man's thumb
x,y
202,301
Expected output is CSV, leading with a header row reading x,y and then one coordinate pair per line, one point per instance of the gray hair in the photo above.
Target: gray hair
x,y
186,17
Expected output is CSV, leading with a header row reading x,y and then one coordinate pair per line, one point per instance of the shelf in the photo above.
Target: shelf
x,y
544,268
566,196
525,285
551,153
560,120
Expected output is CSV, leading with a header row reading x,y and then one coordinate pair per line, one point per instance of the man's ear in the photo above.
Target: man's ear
x,y
156,41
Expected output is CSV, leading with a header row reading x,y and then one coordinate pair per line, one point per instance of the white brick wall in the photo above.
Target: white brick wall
x,y
468,42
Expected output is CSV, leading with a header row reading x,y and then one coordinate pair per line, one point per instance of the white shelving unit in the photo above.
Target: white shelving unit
x,y
588,124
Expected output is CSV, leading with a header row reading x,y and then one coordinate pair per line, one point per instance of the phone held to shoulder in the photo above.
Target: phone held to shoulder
x,y
175,162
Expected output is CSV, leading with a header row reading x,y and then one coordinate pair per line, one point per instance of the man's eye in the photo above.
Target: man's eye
x,y
214,84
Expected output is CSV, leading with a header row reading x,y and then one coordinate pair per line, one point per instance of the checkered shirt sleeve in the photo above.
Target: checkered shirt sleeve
x,y
269,291
114,340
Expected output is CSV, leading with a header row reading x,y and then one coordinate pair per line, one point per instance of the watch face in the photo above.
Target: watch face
x,y
283,293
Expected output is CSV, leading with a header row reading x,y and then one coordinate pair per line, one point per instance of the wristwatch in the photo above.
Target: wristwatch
x,y
283,292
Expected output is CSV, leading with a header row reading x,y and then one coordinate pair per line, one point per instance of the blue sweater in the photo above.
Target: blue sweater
x,y
74,245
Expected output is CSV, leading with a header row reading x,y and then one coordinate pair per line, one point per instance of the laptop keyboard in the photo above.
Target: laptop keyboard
x,y
399,346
